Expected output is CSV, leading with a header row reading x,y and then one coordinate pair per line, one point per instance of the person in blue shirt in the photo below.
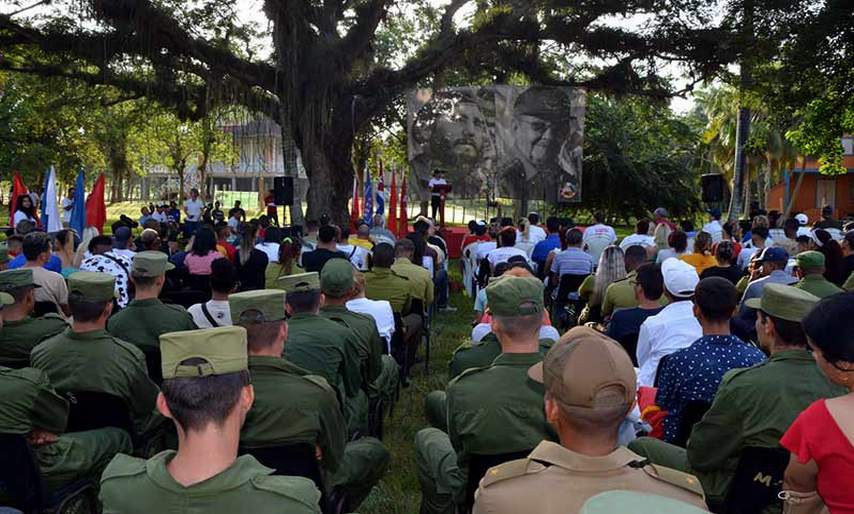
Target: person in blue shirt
x,y
544,247
54,263
694,373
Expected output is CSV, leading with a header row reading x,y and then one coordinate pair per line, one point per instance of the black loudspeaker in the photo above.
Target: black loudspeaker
x,y
713,186
283,190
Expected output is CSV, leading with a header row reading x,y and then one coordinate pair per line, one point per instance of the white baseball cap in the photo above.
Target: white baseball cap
x,y
680,278
802,218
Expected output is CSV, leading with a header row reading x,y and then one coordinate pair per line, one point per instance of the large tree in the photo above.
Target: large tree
x,y
325,80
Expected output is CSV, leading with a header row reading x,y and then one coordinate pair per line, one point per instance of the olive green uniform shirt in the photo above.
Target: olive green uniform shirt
x,y
481,354
28,401
293,406
620,295
849,284
143,321
130,485
385,284
818,286
498,409
325,348
18,338
370,345
98,362
753,407
419,278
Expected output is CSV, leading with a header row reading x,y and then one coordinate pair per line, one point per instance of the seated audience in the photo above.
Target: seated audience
x,y
203,253
22,331
724,267
215,312
251,263
379,310
103,260
677,243
641,236
702,257
810,268
624,325
326,248
621,293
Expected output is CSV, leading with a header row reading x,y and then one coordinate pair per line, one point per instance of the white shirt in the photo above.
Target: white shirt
x,y
598,237
357,255
745,255
674,328
714,229
503,254
194,209
271,249
159,217
66,214
637,239
124,252
381,311
52,287
121,272
233,223
19,217
482,329
218,309
536,234
436,182
484,248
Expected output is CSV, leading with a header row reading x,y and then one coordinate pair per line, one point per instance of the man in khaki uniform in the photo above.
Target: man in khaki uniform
x,y
379,370
207,393
22,332
493,410
86,358
590,387
309,413
621,294
419,278
325,347
810,269
146,317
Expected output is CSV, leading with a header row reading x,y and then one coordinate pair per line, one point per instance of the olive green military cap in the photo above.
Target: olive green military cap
x,y
810,259
515,296
336,277
222,350
15,278
301,283
784,302
270,303
4,253
92,285
636,502
6,299
151,264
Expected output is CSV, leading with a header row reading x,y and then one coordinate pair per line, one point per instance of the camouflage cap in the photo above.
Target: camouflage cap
x,y
92,285
6,299
784,302
336,277
4,253
610,502
304,282
15,278
270,303
222,350
810,259
151,264
587,369
515,296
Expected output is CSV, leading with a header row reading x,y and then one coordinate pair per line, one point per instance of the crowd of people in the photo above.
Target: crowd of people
x,y
201,361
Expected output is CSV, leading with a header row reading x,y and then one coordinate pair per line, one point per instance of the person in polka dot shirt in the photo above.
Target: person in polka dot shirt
x,y
694,373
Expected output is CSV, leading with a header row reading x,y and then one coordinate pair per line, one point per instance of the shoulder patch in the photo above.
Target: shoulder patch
x,y
676,478
510,469
299,489
123,466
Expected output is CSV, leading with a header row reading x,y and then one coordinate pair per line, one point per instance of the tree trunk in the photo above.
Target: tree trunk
x,y
796,190
330,170
289,154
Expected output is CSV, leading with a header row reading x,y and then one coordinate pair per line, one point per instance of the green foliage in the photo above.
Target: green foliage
x,y
637,156
822,122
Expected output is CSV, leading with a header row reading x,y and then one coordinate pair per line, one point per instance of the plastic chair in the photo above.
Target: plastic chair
x,y
90,410
757,481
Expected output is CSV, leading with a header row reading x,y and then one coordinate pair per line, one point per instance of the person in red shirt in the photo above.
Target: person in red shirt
x,y
222,245
821,439
477,232
272,208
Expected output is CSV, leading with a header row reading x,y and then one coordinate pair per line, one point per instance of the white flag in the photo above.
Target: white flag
x,y
50,217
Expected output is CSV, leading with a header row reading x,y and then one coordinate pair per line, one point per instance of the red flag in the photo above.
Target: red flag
x,y
18,189
391,222
355,209
96,209
403,221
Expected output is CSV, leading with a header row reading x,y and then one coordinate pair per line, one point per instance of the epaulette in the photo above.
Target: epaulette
x,y
510,469
468,372
468,345
53,316
399,275
730,375
31,375
296,488
676,478
123,466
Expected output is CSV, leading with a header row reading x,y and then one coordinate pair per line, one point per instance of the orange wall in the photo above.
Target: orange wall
x,y
806,201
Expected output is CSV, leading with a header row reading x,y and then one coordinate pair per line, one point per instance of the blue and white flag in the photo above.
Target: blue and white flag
x,y
380,196
78,211
368,211
50,212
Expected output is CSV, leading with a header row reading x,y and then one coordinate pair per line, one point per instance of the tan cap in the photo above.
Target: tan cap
x,y
222,350
587,369
269,303
784,302
301,283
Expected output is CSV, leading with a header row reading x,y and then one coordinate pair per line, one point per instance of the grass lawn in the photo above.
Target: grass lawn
x,y
399,491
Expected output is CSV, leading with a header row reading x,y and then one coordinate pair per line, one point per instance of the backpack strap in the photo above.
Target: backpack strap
x,y
210,318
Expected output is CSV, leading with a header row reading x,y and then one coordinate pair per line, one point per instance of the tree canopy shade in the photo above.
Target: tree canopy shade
x,y
337,64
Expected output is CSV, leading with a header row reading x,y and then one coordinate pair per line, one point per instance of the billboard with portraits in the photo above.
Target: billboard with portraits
x,y
499,141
